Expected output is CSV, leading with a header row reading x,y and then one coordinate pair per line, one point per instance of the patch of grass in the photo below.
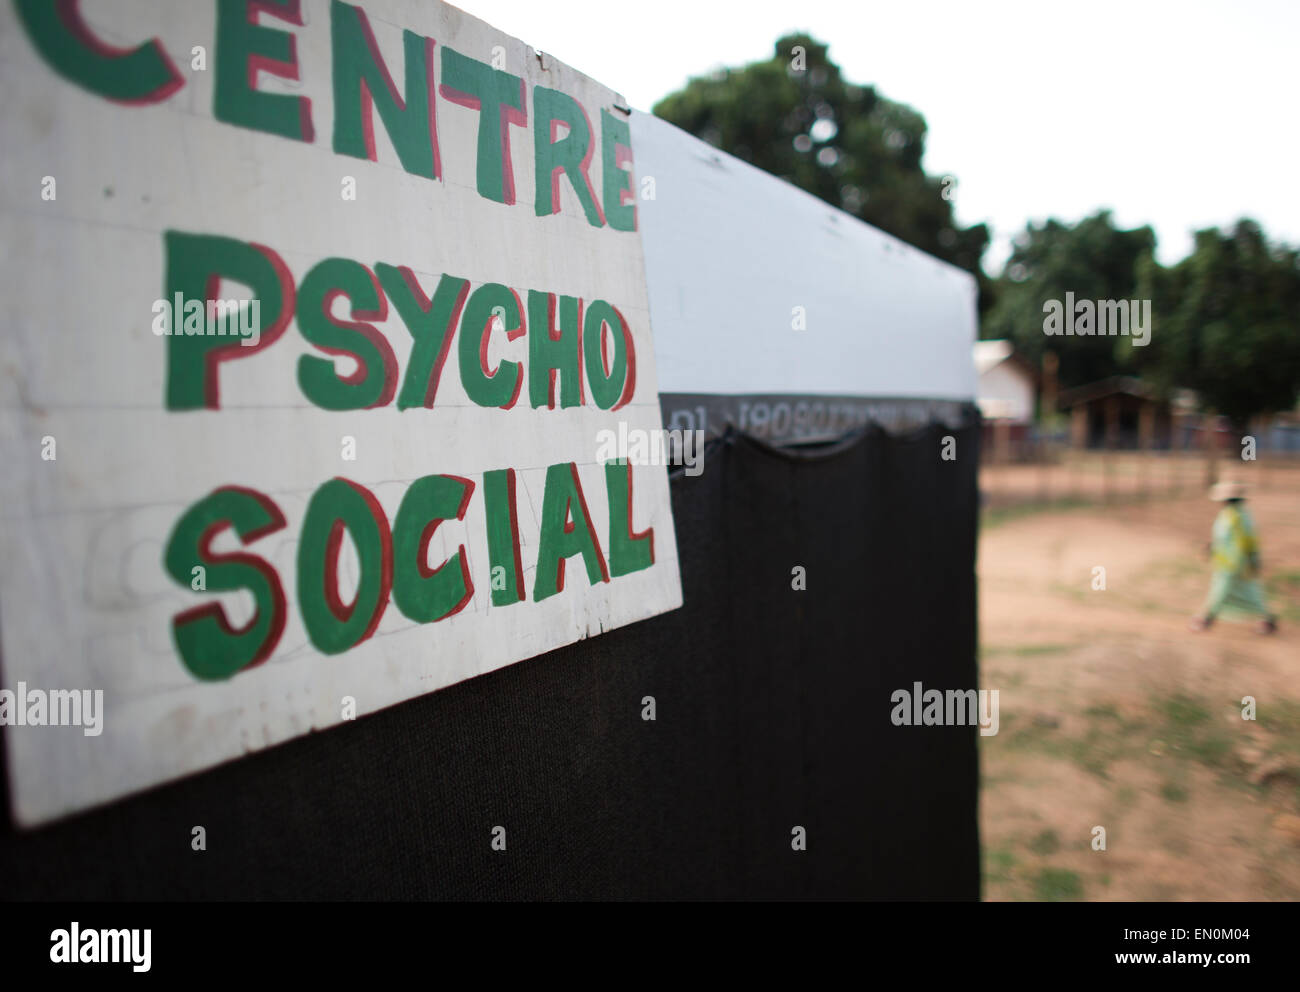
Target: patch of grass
x,y
1283,590
1287,577
1158,606
1034,650
998,865
1183,566
1045,843
1109,739
1005,721
1173,792
1189,733
1281,719
994,516
1007,680
1178,571
989,777
1182,712
1211,749
1024,735
1057,885
1026,650
1102,711
1186,566
1089,757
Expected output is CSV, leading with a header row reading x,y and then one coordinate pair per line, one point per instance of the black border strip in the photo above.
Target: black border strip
x,y
803,418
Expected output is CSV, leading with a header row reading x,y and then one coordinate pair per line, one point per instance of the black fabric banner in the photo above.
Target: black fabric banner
x,y
772,712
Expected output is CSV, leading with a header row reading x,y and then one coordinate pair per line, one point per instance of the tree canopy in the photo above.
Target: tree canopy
x,y
796,117
1227,322
1094,260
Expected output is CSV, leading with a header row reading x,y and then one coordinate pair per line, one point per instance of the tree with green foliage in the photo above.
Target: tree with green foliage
x,y
1227,323
794,116
1092,259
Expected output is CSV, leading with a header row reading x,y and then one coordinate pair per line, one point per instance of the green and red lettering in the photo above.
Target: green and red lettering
x,y
195,266
499,99
629,551
245,48
337,507
362,84
570,154
425,594
503,536
144,74
374,380
612,381
616,180
500,386
209,647
553,349
566,530
431,324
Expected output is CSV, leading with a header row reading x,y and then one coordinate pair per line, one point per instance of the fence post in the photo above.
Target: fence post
x,y
1177,441
1211,449
1047,420
1078,445
1108,455
1146,430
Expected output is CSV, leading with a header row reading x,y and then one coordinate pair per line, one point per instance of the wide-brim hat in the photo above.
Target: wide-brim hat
x,y
1223,491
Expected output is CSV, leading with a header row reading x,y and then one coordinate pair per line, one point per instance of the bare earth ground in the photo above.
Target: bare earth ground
x,y
1113,714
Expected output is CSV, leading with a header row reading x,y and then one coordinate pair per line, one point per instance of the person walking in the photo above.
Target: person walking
x,y
1234,554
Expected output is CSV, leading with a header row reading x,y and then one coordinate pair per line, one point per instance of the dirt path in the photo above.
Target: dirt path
x,y
1114,715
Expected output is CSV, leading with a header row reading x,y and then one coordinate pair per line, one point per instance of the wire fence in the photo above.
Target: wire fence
x,y
1060,475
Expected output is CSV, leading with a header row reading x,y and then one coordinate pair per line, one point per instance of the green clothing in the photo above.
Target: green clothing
x,y
1234,587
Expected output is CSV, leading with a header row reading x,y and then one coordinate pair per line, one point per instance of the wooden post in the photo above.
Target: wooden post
x,y
1112,440
1047,401
1079,426
1044,455
1211,441
1078,443
1177,443
1002,440
1047,423
1146,436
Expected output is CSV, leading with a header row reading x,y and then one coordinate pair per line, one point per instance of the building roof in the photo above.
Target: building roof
x,y
1116,385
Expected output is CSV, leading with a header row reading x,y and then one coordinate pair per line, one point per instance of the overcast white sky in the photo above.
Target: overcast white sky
x,y
1180,114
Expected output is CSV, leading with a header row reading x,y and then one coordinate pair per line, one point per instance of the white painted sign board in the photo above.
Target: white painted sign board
x,y
385,478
